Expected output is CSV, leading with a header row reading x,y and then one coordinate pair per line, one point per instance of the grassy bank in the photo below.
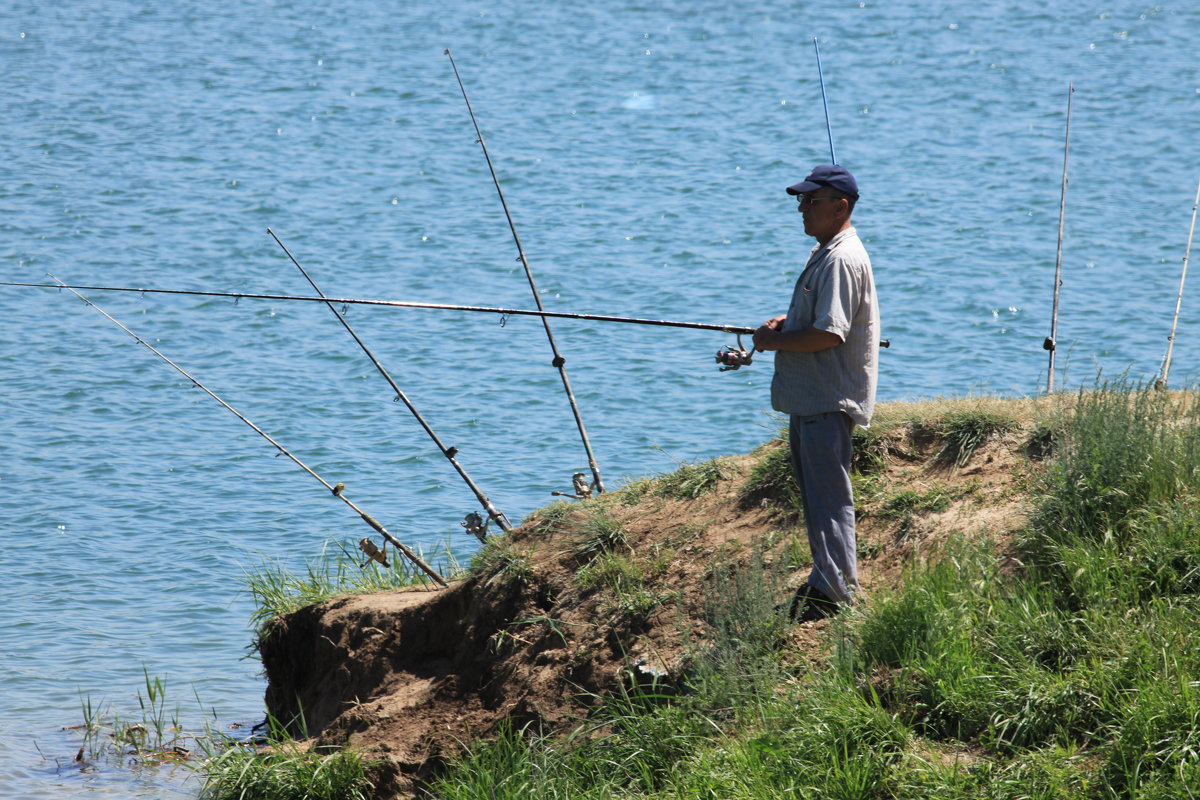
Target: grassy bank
x,y
1059,662
1060,665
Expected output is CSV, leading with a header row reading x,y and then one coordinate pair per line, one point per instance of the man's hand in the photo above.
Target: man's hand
x,y
762,336
771,336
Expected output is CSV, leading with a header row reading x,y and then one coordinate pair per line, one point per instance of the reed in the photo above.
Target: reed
x,y
151,736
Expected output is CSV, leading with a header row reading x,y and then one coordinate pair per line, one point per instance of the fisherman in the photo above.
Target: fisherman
x,y
826,350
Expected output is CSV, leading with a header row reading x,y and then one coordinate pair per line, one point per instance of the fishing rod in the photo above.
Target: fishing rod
x,y
337,490
824,102
558,361
508,312
494,514
345,301
1050,343
1162,382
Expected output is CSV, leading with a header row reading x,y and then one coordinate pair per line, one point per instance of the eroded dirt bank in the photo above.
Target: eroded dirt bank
x,y
584,595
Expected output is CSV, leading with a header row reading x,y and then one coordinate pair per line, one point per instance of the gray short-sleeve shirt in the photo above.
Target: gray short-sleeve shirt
x,y
835,293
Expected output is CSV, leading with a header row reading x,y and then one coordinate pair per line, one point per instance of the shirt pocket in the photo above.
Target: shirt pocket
x,y
804,308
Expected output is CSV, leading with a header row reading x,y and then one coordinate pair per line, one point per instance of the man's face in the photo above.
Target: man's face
x,y
822,212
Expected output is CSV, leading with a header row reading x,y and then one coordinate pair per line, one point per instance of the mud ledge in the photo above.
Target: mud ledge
x,y
585,595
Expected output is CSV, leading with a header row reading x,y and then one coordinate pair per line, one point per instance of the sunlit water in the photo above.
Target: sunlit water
x,y
643,149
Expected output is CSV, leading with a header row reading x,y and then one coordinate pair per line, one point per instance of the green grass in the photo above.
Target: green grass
x,y
687,482
598,534
631,598
339,571
281,769
1128,449
961,433
772,484
557,517
908,502
498,561
693,480
1075,676
612,571
871,449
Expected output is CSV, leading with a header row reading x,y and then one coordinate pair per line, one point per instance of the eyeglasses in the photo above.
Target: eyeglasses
x,y
805,200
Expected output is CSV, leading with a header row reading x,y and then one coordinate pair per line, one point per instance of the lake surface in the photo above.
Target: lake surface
x,y
643,149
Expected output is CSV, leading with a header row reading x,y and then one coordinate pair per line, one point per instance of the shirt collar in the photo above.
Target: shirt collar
x,y
840,235
837,239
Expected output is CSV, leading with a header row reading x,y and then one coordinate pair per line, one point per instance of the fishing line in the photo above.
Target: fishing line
x,y
1162,382
449,452
337,491
558,361
1051,342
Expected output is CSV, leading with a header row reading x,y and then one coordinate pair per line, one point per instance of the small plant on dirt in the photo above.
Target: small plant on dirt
x,y
871,449
908,504
904,504
868,550
552,624
740,609
500,562
962,433
796,553
610,571
772,483
1044,440
598,534
528,631
558,517
633,605
869,490
693,480
635,491
624,579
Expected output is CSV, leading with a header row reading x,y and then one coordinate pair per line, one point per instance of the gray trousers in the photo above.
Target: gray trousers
x,y
821,449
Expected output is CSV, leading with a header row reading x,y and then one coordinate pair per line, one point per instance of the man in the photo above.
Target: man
x,y
826,351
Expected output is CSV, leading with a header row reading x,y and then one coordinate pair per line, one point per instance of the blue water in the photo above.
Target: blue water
x,y
643,148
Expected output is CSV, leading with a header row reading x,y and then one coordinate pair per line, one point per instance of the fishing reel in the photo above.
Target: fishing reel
x,y
583,489
372,552
731,358
476,525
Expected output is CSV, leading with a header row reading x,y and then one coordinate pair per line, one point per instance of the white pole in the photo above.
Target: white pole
x,y
1162,382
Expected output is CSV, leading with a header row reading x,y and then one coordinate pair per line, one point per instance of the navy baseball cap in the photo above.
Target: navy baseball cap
x,y
831,175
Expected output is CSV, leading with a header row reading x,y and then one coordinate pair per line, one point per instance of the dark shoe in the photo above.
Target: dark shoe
x,y
811,604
